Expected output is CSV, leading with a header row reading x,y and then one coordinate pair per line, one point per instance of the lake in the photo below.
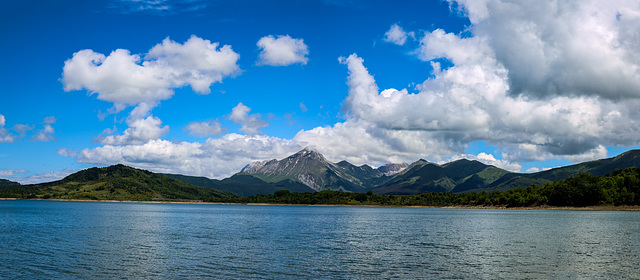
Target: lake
x,y
88,240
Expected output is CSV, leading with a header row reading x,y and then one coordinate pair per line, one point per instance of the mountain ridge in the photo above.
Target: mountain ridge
x,y
312,169
116,182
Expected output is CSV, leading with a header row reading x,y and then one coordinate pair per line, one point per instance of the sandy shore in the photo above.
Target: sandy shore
x,y
543,207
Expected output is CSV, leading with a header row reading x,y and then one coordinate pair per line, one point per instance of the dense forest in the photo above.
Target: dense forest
x,y
621,187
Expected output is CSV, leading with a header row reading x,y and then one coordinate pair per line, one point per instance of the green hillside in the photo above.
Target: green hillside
x,y
596,167
243,184
117,182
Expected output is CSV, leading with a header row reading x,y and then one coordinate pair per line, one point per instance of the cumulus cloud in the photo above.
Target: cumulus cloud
x,y
140,131
560,81
143,81
204,129
282,51
577,48
363,142
251,124
2,120
215,158
397,35
127,79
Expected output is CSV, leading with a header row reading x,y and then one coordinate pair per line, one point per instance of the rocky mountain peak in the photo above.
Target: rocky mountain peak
x,y
391,169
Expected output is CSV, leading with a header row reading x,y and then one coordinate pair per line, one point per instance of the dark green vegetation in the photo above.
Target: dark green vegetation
x,y
117,182
242,184
622,187
7,183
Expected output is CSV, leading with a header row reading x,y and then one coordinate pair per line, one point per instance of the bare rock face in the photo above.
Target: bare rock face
x,y
391,169
312,169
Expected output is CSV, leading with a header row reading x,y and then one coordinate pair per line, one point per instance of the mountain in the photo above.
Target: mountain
x,y
473,176
312,169
457,176
243,184
118,182
596,167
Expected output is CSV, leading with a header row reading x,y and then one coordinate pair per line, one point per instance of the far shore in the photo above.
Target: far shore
x,y
542,207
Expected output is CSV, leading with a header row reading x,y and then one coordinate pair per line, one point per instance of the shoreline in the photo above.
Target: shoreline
x,y
543,207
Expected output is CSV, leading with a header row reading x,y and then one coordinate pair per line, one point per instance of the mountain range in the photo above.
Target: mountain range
x,y
309,171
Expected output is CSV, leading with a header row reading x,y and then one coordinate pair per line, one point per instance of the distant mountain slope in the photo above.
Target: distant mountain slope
x,y
423,176
313,170
243,184
596,167
119,182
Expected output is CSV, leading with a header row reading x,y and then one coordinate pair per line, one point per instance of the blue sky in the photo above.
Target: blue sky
x,y
206,87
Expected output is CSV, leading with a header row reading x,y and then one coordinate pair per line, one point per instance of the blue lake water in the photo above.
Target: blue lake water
x,y
89,240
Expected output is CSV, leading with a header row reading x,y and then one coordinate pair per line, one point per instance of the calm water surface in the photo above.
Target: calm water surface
x,y
52,239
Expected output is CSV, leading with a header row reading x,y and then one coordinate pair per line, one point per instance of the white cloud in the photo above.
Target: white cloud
x,y
303,107
282,51
129,80
50,120
579,48
397,35
159,7
532,170
6,173
204,129
250,124
140,131
5,136
215,158
44,177
362,142
67,152
46,134
123,78
488,159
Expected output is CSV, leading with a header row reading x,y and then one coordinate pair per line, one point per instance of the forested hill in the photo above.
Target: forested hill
x,y
7,183
117,182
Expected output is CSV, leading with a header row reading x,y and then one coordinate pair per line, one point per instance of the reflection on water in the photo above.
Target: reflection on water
x,y
44,239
